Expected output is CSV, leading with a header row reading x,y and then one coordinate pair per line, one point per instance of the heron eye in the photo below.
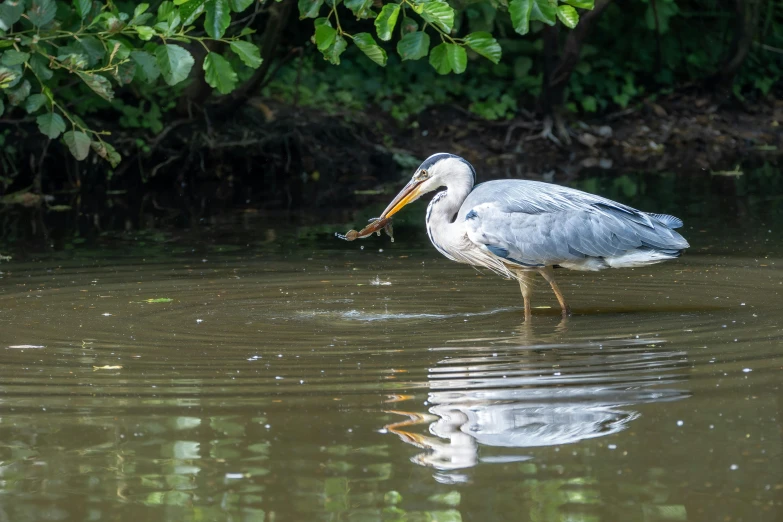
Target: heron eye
x,y
424,174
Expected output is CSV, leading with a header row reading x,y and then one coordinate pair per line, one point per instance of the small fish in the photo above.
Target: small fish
x,y
375,226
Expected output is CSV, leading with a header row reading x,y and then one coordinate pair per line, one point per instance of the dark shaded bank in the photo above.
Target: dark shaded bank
x,y
274,158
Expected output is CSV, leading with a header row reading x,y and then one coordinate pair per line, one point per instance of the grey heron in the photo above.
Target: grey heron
x,y
518,227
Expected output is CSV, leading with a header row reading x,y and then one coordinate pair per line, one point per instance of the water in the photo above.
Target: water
x,y
322,381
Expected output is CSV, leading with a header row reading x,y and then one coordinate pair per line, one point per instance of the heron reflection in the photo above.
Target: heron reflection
x,y
489,406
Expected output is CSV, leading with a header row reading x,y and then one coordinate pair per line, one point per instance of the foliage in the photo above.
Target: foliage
x,y
416,17
54,55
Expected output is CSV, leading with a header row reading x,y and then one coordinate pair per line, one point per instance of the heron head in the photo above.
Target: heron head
x,y
436,171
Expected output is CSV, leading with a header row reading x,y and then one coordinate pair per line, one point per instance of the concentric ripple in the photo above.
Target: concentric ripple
x,y
198,389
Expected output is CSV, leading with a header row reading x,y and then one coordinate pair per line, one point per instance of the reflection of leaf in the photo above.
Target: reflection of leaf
x,y
260,447
256,472
336,493
452,498
107,367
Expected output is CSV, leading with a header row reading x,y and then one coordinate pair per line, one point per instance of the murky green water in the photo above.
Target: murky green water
x,y
329,382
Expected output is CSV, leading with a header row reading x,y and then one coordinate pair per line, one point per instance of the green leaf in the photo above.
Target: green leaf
x,y
248,52
147,68
10,76
34,102
164,10
191,10
439,13
589,104
175,63
324,36
40,67
544,11
99,84
41,12
239,5
93,49
78,143
125,72
309,8
458,58
219,74
118,50
218,18
51,124
82,7
439,59
484,44
581,4
333,53
20,94
413,46
360,8
12,57
142,8
10,13
568,16
107,152
386,21
145,33
520,15
2,107
366,43
408,25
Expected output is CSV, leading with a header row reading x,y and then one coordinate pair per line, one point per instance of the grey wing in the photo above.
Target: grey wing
x,y
533,224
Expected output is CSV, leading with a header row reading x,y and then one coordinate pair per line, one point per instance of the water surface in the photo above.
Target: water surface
x,y
326,381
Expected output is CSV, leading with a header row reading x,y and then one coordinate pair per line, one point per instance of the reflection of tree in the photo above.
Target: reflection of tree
x,y
547,396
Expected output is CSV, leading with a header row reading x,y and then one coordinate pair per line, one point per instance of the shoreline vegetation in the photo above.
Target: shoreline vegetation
x,y
114,112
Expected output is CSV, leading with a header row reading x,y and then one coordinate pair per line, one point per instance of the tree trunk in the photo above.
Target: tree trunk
x,y
279,13
559,66
569,56
747,18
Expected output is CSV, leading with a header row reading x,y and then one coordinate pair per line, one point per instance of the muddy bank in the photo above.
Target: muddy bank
x,y
276,158
682,133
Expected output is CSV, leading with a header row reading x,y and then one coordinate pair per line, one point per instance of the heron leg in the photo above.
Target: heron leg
x,y
549,274
526,285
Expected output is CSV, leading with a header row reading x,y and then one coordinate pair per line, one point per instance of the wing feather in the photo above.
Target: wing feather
x,y
537,224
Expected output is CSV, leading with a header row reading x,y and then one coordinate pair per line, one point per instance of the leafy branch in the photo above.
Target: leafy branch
x,y
448,56
104,48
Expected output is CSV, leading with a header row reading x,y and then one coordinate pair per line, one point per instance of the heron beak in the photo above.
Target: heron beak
x,y
409,193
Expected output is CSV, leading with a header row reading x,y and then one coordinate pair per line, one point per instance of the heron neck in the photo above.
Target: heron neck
x,y
443,210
